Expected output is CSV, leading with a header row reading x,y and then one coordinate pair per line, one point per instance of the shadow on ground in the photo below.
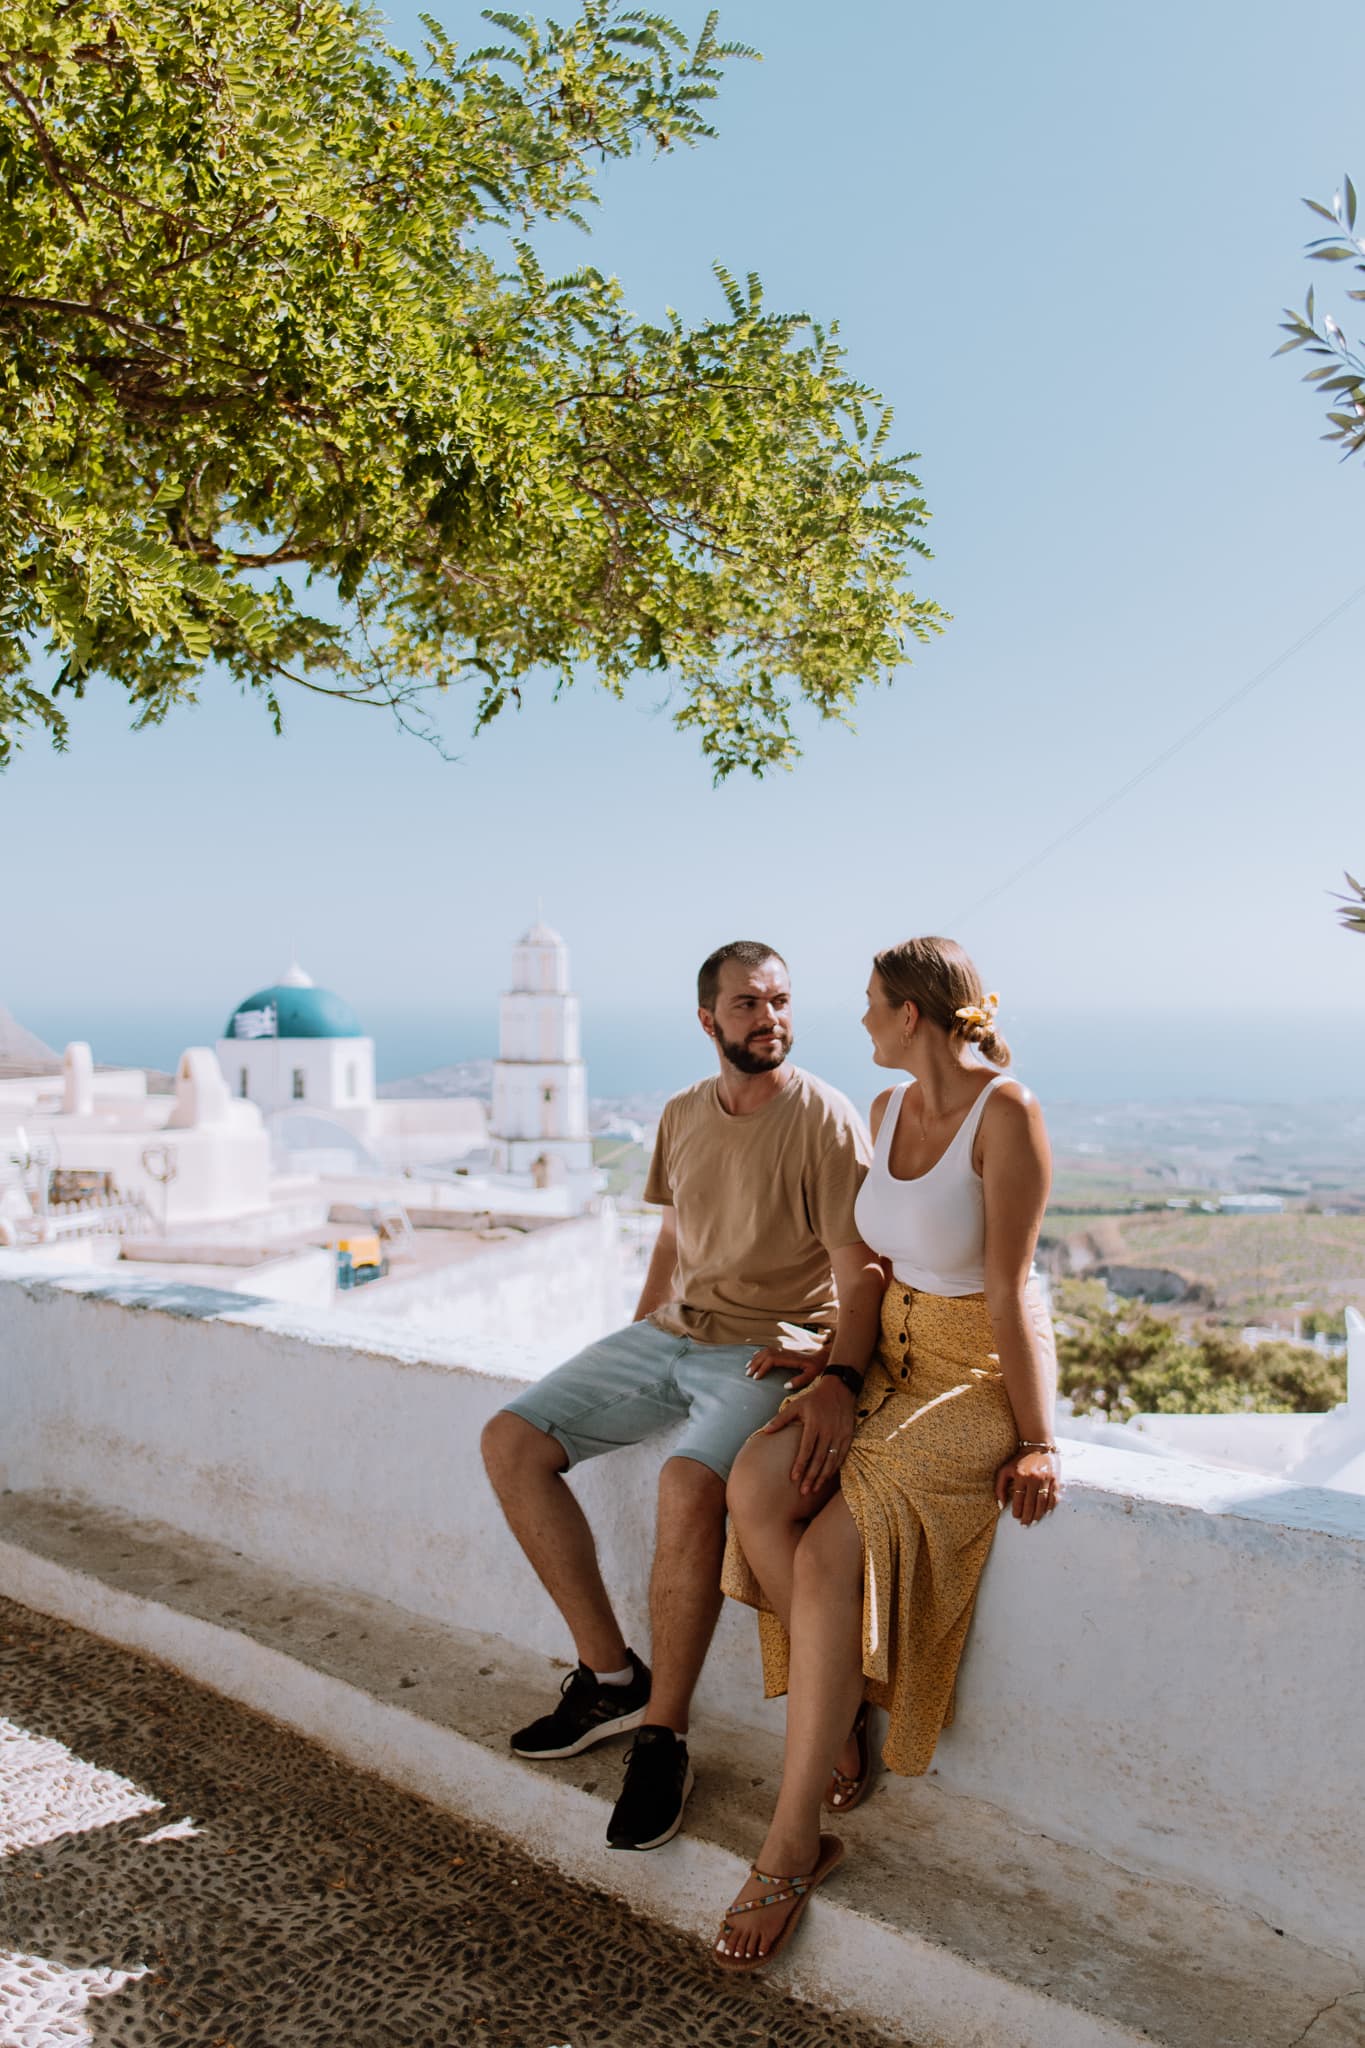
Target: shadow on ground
x,y
285,1900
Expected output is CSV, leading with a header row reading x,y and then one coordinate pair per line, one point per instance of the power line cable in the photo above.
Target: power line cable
x,y
1160,760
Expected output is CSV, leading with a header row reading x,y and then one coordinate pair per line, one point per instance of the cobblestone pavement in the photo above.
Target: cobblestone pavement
x,y
180,1873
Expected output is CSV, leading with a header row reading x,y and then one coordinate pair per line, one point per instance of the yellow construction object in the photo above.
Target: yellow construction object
x,y
364,1250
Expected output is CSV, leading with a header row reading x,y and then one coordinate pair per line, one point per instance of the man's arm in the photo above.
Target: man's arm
x,y
658,1287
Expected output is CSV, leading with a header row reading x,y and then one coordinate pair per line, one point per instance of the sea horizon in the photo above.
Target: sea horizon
x,y
631,1051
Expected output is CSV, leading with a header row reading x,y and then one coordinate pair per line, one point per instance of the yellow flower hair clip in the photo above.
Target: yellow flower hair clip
x,y
980,1015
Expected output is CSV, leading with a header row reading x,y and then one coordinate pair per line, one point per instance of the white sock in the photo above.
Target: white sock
x,y
615,1677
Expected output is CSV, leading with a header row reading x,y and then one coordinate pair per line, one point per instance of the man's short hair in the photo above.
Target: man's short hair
x,y
748,952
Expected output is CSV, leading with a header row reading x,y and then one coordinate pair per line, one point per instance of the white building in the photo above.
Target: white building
x,y
299,1053
192,1158
293,1044
237,1177
540,1084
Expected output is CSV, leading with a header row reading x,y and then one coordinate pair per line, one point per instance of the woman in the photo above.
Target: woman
x,y
864,1555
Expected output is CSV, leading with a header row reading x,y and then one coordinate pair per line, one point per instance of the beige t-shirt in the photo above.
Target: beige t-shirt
x,y
761,1202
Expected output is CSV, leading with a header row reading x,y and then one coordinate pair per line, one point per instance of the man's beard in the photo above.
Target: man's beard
x,y
746,1061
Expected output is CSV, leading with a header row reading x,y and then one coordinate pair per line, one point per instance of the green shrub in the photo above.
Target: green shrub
x,y
1113,1366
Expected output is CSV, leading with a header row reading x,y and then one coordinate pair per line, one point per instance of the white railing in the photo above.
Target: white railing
x,y
93,1216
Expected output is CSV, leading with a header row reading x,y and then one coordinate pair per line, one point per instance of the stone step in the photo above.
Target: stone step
x,y
947,1926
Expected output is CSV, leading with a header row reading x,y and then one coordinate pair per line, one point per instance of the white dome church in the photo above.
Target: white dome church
x,y
294,1045
298,1052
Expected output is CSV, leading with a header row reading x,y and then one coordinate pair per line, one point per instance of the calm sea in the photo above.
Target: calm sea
x,y
637,1051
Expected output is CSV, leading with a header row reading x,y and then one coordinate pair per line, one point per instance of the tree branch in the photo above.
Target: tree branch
x,y
686,390
47,149
233,234
181,220
205,550
127,321
697,532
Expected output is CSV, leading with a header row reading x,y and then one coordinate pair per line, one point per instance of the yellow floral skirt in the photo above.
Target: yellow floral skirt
x,y
919,1481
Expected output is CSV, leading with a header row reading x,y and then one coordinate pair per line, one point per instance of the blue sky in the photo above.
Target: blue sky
x,y
1059,240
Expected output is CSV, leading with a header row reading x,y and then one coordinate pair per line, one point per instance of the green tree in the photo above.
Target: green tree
x,y
1340,376
1116,1364
1339,369
1352,912
286,391
1300,1379
1101,1354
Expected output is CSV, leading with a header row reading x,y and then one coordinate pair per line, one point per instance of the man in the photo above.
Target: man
x,y
758,1274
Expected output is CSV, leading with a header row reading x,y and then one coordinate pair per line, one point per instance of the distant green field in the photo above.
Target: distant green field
x,y
1116,1190
1253,1263
1115,1184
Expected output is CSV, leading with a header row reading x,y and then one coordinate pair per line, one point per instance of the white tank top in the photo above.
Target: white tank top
x,y
932,1228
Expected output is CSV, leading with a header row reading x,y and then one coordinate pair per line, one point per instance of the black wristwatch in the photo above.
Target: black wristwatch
x,y
846,1375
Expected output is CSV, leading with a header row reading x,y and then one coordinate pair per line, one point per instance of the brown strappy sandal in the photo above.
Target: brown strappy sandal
x,y
797,1889
843,1793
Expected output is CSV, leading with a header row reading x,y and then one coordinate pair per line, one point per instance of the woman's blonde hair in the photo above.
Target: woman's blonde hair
x,y
938,977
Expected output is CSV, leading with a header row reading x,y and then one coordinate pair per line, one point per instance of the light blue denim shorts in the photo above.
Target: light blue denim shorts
x,y
642,1379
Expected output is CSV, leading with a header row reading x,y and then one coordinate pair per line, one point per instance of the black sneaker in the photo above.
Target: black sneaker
x,y
658,1780
587,1713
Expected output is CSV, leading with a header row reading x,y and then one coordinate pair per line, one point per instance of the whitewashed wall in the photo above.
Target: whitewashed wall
x,y
1169,1672
552,1291
220,1172
338,1073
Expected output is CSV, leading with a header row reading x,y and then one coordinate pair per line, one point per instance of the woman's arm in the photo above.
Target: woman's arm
x,y
875,1115
1016,1173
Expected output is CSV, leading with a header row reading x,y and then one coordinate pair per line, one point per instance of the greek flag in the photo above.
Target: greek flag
x,y
255,1023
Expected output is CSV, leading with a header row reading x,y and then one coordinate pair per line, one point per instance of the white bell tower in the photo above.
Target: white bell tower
x,y
540,1084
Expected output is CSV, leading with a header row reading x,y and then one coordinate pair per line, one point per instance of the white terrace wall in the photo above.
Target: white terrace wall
x,y
1169,1672
553,1289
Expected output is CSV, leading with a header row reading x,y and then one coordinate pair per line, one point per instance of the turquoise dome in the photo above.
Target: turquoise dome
x,y
288,1011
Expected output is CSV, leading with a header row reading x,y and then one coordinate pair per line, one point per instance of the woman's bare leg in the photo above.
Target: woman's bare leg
x,y
825,1687
771,1516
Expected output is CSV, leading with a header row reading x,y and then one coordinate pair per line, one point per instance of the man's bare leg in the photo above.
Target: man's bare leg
x,y
526,1467
684,1588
